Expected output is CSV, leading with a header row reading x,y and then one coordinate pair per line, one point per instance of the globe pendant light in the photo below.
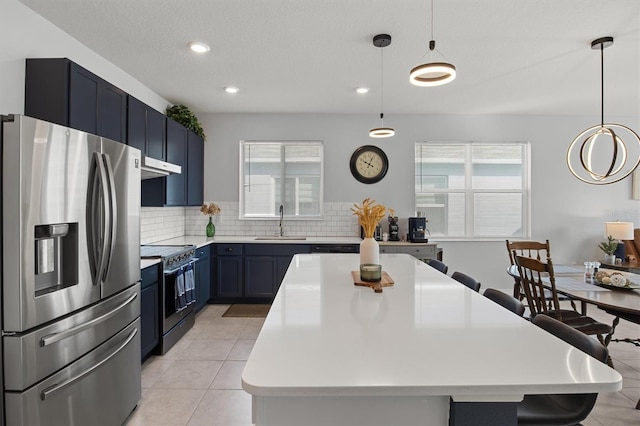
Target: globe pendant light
x,y
381,41
593,151
432,73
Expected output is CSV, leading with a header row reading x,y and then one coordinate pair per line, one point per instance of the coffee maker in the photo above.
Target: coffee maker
x,y
394,229
417,230
377,233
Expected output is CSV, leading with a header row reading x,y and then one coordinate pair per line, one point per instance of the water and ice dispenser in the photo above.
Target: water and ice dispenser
x,y
56,256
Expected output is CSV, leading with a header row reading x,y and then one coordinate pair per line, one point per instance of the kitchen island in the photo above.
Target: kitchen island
x,y
427,350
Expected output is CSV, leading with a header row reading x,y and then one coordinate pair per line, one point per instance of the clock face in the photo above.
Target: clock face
x,y
369,164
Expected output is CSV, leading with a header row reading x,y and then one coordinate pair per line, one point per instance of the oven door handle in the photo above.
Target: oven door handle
x,y
56,387
56,337
174,270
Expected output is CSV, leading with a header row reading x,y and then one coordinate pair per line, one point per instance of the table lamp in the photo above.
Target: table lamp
x,y
619,231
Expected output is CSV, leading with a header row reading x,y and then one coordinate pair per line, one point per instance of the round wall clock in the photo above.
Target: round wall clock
x,y
369,164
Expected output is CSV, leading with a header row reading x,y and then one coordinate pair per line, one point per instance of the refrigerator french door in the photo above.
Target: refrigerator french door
x,y
70,273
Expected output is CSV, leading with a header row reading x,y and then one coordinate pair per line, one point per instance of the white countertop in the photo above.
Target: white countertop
x,y
145,263
426,335
202,241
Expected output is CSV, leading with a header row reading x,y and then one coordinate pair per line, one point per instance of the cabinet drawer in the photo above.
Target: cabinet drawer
x,y
421,252
229,249
389,249
275,249
203,252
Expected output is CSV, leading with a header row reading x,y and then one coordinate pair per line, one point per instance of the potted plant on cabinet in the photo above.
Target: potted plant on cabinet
x,y
609,247
183,115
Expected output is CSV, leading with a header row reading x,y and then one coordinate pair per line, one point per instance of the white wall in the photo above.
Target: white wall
x,y
568,212
564,210
25,34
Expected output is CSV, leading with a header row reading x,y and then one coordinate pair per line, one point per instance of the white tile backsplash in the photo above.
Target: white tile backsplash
x,y
160,223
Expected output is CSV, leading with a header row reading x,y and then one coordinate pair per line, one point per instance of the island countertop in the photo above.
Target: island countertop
x,y
427,335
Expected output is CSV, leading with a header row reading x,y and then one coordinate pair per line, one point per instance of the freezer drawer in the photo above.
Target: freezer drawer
x,y
30,357
101,388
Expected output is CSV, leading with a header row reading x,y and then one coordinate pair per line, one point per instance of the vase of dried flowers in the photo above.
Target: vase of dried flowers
x,y
211,228
210,209
369,215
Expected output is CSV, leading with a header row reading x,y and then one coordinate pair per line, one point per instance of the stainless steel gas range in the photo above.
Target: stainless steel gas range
x,y
177,295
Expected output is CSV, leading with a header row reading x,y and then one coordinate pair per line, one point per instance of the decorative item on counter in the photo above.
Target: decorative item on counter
x,y
210,209
370,272
394,229
369,216
609,247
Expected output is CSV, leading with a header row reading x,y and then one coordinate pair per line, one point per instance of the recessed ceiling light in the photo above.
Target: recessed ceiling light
x,y
231,89
362,90
198,47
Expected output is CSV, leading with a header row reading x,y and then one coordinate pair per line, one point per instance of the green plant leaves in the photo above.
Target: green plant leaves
x,y
183,115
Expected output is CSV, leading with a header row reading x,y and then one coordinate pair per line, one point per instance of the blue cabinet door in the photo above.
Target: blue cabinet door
x,y
195,169
259,276
176,154
203,277
149,310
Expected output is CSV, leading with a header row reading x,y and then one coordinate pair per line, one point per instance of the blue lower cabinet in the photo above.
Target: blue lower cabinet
x,y
149,310
260,276
202,270
251,273
229,272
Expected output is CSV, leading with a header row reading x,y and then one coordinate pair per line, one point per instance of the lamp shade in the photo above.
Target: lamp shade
x,y
619,230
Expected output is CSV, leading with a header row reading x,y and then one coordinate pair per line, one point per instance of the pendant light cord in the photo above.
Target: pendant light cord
x,y
601,84
431,19
381,85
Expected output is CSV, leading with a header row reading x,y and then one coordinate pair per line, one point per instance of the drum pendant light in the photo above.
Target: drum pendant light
x,y
432,73
381,41
583,159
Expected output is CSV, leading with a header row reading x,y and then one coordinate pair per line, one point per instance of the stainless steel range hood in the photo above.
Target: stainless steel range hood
x,y
152,168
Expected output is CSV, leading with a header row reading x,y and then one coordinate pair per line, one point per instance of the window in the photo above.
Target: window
x,y
473,189
281,173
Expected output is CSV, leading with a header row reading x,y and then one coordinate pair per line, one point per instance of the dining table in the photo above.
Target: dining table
x,y
620,302
420,349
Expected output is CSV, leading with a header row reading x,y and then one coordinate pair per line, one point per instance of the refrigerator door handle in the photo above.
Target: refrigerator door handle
x,y
112,207
103,225
48,392
56,337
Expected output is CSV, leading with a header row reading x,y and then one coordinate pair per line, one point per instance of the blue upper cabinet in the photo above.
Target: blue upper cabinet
x,y
61,91
195,169
146,129
177,154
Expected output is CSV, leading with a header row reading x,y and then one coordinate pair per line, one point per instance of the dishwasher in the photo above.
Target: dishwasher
x,y
335,248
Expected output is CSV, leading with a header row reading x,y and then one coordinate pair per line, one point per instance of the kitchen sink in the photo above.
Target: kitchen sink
x,y
277,237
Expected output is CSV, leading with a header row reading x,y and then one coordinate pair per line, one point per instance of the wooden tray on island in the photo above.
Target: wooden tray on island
x,y
386,281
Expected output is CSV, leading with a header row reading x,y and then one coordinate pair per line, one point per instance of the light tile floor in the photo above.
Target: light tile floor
x,y
198,381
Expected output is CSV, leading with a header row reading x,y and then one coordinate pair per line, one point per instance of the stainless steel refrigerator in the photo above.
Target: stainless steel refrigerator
x,y
70,276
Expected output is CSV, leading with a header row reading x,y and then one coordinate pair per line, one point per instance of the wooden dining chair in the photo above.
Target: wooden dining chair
x,y
531,272
465,279
440,266
537,250
506,301
561,409
534,249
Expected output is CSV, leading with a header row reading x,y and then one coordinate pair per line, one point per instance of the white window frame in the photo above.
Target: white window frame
x,y
469,192
242,183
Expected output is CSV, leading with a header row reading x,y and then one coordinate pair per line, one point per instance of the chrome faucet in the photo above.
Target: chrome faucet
x,y
281,217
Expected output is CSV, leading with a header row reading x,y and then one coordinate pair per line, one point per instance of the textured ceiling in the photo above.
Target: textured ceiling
x,y
512,57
